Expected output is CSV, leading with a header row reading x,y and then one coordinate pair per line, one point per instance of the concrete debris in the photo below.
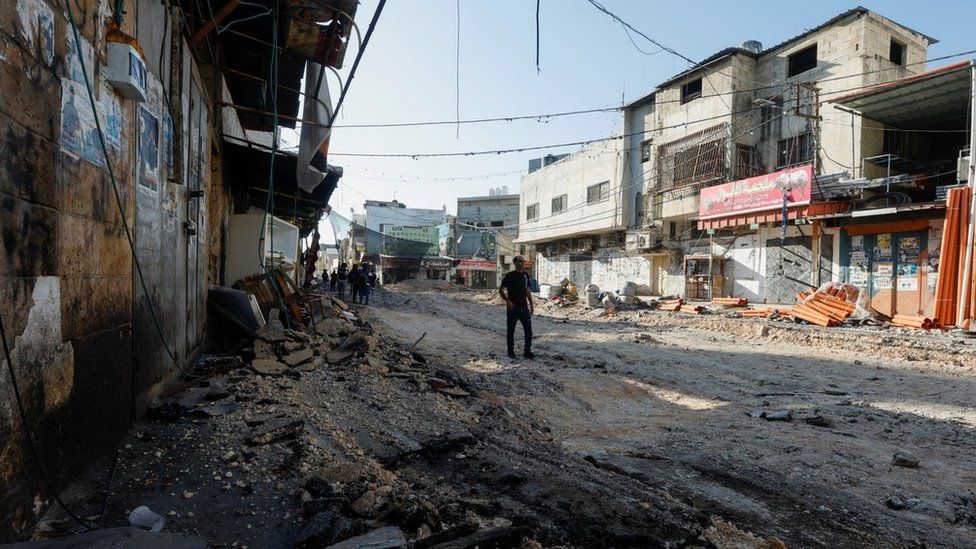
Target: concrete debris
x,y
493,538
389,537
117,538
774,415
275,431
905,459
298,357
268,367
274,330
325,529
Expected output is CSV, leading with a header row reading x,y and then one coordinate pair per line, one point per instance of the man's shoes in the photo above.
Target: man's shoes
x,y
511,355
528,354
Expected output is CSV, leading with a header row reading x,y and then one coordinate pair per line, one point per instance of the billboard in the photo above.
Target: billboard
x,y
756,194
407,241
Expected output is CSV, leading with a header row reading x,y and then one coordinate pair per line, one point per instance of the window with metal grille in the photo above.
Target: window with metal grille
x,y
795,150
747,162
559,204
646,147
598,192
802,60
691,90
532,212
698,158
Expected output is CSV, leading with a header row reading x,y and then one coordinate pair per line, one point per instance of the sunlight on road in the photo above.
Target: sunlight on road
x,y
681,399
941,412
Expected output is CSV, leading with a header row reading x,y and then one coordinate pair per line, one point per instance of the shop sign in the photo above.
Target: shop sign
x,y
476,265
435,264
756,194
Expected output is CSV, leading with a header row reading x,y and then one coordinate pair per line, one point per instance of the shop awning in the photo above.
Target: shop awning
x,y
247,167
774,216
934,99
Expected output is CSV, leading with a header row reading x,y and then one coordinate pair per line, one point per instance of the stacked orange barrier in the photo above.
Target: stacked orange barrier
x,y
952,262
730,301
755,312
823,308
919,322
670,305
693,309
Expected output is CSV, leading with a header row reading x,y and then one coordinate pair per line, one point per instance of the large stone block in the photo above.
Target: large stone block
x,y
28,238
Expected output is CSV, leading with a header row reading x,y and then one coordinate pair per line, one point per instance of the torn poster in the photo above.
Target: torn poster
x,y
148,150
37,28
313,146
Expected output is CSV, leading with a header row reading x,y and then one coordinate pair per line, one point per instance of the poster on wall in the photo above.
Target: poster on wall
x,y
79,136
168,140
908,284
754,194
37,28
882,248
934,249
909,248
148,151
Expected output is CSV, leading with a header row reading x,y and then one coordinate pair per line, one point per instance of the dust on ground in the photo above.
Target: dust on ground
x,y
646,429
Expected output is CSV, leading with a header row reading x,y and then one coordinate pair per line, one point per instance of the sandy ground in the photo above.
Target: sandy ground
x,y
664,399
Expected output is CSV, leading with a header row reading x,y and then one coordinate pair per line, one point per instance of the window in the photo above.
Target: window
x,y
769,114
497,223
795,150
639,209
802,60
532,212
699,162
691,90
598,192
559,204
646,147
896,54
747,162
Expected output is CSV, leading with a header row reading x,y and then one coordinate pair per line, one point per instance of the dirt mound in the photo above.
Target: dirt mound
x,y
424,285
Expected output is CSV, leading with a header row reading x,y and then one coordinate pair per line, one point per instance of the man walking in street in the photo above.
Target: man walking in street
x,y
370,283
341,281
518,299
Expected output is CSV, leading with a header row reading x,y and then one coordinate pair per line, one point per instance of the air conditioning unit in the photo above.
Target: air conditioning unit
x,y
641,240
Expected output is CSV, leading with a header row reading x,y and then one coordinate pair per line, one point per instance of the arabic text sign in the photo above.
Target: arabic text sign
x,y
755,194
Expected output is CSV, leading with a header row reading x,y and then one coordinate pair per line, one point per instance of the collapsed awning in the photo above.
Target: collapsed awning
x,y
774,216
247,167
933,99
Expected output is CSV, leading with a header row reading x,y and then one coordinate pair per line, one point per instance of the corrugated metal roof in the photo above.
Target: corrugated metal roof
x,y
929,100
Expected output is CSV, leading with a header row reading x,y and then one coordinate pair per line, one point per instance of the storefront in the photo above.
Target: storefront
x,y
476,273
436,267
895,261
773,250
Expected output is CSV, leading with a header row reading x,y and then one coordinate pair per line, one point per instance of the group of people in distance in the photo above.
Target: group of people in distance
x,y
361,280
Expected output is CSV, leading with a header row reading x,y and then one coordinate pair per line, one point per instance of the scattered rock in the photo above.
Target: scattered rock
x,y
275,431
389,537
895,503
325,529
338,356
217,391
215,410
771,415
762,331
904,459
298,357
510,536
268,367
817,421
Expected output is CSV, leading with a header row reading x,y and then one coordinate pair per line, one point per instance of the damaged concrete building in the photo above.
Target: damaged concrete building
x,y
132,133
643,205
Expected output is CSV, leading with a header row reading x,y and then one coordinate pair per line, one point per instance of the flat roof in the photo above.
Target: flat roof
x,y
496,197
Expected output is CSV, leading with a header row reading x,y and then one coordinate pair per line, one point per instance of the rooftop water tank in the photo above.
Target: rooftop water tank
x,y
755,46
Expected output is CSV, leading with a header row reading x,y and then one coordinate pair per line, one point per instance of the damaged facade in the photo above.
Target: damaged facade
x,y
87,351
717,123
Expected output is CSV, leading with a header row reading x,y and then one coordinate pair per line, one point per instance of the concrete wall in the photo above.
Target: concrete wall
x,y
571,176
485,209
609,269
85,352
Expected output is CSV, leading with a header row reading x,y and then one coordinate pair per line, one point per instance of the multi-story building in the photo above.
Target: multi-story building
x,y
742,112
485,234
405,242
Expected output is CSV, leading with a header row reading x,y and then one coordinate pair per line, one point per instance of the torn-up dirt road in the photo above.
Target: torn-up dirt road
x,y
789,432
647,430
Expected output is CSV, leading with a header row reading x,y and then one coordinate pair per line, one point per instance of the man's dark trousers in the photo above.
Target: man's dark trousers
x,y
523,315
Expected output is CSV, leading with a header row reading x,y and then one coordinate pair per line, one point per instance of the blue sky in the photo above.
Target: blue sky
x,y
587,61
